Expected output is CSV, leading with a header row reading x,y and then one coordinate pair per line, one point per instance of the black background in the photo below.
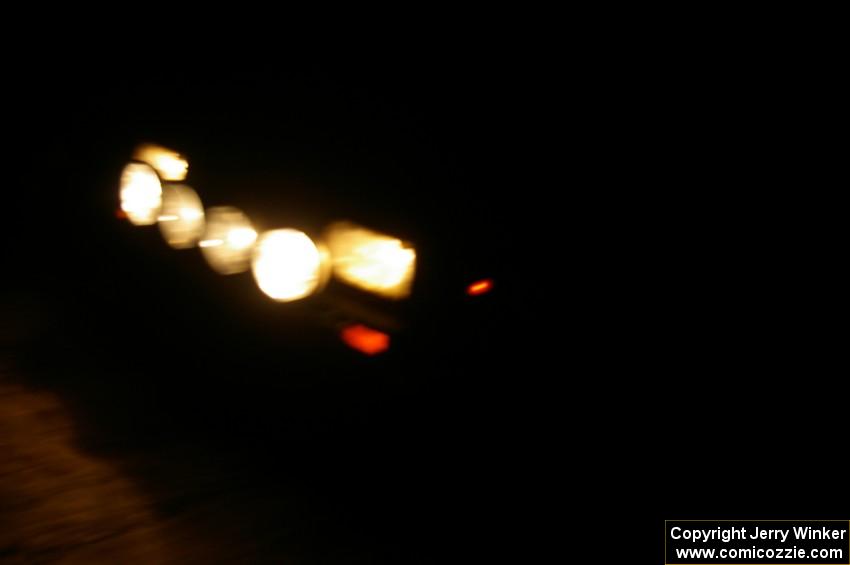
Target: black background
x,y
660,343
332,457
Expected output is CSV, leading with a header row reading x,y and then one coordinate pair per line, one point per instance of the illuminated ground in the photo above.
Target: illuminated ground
x,y
105,463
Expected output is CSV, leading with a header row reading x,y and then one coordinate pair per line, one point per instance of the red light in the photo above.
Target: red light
x,y
480,287
120,214
364,339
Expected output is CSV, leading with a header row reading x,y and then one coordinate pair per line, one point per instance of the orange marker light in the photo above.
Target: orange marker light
x,y
480,287
365,339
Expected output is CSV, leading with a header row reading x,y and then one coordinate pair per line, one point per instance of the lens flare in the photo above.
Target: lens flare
x,y
228,241
169,164
371,261
287,265
141,194
181,220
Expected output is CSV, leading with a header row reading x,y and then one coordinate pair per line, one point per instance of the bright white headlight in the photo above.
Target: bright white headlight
x,y
228,241
141,194
181,219
287,265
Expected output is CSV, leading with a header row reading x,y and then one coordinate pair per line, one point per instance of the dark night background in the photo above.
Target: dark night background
x,y
215,401
652,310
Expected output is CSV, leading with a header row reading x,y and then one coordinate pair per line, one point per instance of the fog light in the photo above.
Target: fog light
x,y
287,265
141,194
371,261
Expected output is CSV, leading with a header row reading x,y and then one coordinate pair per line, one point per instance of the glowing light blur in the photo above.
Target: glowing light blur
x,y
372,261
480,287
287,265
365,339
141,194
228,241
169,164
181,219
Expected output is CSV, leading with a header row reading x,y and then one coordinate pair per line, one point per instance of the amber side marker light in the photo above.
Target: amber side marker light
x,y
364,339
480,287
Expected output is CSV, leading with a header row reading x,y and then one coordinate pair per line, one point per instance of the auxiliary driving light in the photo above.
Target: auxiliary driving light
x,y
181,219
228,241
371,261
141,194
169,164
287,265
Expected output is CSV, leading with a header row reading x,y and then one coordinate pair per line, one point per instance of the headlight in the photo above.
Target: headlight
x,y
141,194
287,265
372,261
228,241
169,164
181,219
